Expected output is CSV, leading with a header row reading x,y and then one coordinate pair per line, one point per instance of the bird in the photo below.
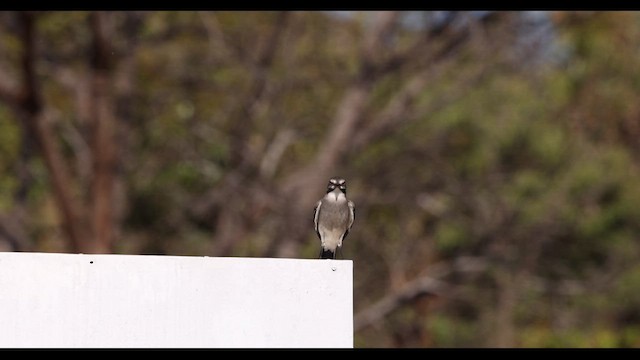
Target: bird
x,y
333,217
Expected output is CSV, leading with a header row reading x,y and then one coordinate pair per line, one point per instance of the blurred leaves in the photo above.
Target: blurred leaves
x,y
465,144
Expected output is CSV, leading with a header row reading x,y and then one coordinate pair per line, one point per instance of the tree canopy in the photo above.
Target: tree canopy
x,y
493,157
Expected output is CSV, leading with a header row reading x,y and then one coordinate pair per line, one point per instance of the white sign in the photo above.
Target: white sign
x,y
144,301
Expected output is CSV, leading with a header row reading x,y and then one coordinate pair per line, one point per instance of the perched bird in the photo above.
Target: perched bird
x,y
333,217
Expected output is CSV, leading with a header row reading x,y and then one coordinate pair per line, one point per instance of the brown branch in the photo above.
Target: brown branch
x,y
245,112
402,104
12,230
103,126
395,111
9,92
373,45
351,109
348,113
232,223
32,114
424,285
402,107
73,221
430,284
305,182
214,34
415,52
79,85
273,154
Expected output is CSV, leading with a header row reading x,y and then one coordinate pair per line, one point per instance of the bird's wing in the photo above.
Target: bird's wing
x,y
316,211
352,216
352,213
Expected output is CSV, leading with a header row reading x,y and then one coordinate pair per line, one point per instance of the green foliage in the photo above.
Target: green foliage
x,y
9,149
450,237
450,332
533,170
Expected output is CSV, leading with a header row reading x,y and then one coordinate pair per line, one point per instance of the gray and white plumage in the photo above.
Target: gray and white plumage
x,y
333,217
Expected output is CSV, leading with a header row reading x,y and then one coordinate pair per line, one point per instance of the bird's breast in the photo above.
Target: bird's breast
x,y
336,196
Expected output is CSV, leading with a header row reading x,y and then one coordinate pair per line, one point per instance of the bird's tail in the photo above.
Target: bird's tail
x,y
327,254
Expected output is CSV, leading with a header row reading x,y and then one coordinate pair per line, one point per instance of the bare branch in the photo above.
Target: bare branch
x,y
216,37
424,285
9,92
61,180
386,22
103,130
37,122
79,85
305,182
348,113
414,55
12,230
431,284
81,150
396,110
402,107
274,153
245,112
231,223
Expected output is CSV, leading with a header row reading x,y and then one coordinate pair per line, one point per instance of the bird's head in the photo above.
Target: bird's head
x,y
336,182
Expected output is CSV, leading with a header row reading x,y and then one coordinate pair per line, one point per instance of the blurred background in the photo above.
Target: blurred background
x,y
493,157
